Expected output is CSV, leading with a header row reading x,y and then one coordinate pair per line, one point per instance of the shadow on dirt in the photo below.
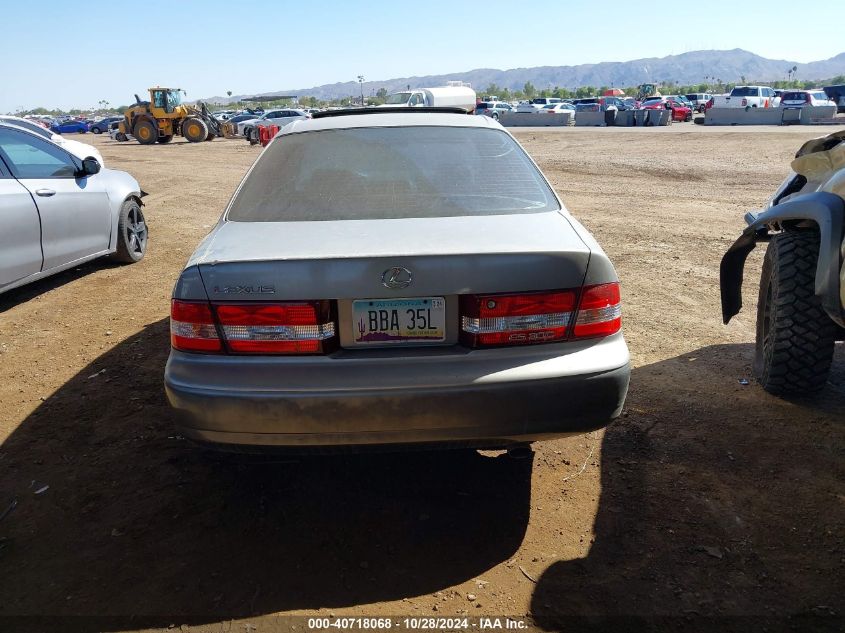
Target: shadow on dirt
x,y
30,291
138,522
727,506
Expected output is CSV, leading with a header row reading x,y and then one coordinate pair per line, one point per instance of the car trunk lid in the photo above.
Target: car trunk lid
x,y
347,259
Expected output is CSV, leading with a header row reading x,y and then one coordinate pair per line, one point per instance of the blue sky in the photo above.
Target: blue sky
x,y
55,55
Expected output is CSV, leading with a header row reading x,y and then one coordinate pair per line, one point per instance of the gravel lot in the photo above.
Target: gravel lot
x,y
708,497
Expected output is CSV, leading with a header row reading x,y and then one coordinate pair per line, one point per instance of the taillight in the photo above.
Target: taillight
x,y
192,327
745,102
303,327
279,328
521,319
599,311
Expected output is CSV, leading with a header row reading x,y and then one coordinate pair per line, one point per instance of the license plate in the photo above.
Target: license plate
x,y
399,321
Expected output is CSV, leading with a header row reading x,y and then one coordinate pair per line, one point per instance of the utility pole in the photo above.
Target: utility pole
x,y
361,81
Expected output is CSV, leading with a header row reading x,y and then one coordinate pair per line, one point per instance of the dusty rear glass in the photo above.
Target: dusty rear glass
x,y
391,172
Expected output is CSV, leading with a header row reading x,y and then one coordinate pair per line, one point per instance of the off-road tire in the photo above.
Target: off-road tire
x,y
145,132
211,136
165,138
129,252
194,130
795,337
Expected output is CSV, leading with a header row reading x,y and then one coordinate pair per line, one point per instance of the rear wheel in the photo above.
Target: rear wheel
x,y
165,138
495,116
131,233
145,132
795,337
194,130
96,130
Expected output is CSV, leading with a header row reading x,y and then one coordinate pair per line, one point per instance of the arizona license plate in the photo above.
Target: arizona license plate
x,y
398,321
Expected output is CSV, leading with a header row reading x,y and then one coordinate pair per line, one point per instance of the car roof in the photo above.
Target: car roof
x,y
12,126
417,117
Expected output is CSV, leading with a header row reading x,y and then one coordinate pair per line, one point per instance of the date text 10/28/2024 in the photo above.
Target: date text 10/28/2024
x,y
418,623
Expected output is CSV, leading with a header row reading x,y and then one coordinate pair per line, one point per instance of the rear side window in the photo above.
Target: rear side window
x,y
744,92
391,172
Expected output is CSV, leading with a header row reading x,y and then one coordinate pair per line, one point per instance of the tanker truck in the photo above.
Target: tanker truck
x,y
441,97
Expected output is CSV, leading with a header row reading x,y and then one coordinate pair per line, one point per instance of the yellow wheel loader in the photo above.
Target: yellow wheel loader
x,y
165,116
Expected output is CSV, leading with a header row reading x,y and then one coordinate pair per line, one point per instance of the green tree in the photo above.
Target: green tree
x,y
529,90
381,93
492,90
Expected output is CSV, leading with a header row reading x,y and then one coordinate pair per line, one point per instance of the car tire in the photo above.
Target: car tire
x,y
165,138
194,130
132,233
120,136
795,337
495,116
145,132
96,130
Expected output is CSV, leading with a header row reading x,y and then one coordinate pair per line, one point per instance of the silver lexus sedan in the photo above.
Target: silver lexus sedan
x,y
395,277
58,210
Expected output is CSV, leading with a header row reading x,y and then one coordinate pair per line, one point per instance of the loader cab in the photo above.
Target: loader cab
x,y
166,99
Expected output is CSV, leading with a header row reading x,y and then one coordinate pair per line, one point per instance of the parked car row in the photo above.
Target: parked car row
x,y
765,97
682,108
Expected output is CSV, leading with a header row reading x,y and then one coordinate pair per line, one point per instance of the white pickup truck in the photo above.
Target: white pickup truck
x,y
748,97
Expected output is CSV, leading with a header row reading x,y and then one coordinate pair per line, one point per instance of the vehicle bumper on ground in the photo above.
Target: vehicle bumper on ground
x,y
483,398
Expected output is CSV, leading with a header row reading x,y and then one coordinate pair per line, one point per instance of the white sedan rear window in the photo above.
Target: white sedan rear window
x,y
391,172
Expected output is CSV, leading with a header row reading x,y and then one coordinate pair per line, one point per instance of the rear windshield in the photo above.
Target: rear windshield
x,y
391,172
793,96
744,91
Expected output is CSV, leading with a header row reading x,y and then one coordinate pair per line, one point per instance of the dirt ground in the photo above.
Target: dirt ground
x,y
707,498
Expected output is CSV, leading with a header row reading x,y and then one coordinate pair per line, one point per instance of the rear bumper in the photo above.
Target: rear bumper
x,y
537,397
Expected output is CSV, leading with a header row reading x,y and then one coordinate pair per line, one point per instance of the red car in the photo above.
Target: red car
x,y
680,112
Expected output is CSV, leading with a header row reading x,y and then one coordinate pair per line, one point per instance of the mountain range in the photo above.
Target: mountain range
x,y
687,68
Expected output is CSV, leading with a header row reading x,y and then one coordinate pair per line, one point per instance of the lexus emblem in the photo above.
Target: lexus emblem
x,y
396,277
